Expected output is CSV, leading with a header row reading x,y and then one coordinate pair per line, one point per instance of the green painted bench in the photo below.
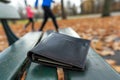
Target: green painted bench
x,y
13,60
96,67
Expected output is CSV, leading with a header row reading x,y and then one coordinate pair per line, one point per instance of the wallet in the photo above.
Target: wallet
x,y
60,50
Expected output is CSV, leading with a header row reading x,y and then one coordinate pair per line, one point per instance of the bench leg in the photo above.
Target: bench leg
x,y
10,35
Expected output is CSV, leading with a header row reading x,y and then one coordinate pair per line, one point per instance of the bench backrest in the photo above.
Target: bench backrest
x,y
7,11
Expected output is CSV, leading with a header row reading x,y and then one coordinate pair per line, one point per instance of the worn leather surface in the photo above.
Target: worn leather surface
x,y
60,50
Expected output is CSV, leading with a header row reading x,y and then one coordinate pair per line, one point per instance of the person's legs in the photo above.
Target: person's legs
x,y
33,26
45,19
55,23
49,12
31,20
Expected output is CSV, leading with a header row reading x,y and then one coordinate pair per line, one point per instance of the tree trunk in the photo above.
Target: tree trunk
x,y
62,9
106,8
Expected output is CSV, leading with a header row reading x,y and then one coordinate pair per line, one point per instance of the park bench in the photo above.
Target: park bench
x,y
14,61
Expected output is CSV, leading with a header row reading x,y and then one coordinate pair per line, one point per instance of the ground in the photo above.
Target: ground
x,y
104,34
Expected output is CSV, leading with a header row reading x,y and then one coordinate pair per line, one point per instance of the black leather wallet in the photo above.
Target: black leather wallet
x,y
59,50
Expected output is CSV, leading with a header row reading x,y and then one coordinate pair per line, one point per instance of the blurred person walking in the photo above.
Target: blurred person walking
x,y
46,4
30,15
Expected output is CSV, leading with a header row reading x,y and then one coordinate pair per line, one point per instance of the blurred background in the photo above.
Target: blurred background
x,y
72,8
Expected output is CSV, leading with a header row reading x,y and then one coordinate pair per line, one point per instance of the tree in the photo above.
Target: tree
x,y
68,8
106,8
74,9
62,9
69,4
87,6
57,9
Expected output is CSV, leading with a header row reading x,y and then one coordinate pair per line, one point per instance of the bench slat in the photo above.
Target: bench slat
x,y
69,31
40,72
96,67
13,58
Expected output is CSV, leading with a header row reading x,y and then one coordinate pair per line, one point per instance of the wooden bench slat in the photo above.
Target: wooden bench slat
x,y
13,58
40,72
